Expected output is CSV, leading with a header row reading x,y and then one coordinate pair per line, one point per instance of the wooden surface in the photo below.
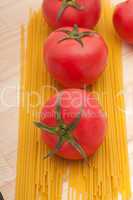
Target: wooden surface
x,y
12,14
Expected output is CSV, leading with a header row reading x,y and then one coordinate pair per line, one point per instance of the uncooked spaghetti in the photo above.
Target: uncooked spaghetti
x,y
107,175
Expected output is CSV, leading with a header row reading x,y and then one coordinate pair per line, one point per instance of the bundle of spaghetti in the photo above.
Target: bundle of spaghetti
x,y
107,175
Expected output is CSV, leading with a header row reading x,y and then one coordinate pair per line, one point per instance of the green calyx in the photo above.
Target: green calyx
x,y
76,35
66,4
63,131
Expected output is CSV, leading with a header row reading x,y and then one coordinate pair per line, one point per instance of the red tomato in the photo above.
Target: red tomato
x,y
73,124
84,13
123,20
75,57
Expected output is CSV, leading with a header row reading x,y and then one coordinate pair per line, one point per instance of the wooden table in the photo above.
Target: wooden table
x,y
12,14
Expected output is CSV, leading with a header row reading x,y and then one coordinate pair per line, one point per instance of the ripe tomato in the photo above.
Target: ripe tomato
x,y
84,13
75,57
73,124
123,20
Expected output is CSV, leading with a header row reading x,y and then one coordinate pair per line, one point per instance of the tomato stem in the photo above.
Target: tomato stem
x,y
52,130
78,147
63,131
65,5
57,148
76,35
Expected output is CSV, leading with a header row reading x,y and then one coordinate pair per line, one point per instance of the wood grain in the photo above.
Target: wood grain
x,y
12,14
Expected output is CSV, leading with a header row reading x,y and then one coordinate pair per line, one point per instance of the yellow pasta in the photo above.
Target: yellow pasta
x,y
107,175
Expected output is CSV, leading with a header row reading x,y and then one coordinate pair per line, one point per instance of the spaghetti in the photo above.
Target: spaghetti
x,y
107,175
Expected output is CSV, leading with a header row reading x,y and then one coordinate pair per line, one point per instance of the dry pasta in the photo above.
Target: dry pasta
x,y
107,175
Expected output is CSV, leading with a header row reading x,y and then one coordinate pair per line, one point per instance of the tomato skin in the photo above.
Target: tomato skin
x,y
123,20
71,64
87,18
90,131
